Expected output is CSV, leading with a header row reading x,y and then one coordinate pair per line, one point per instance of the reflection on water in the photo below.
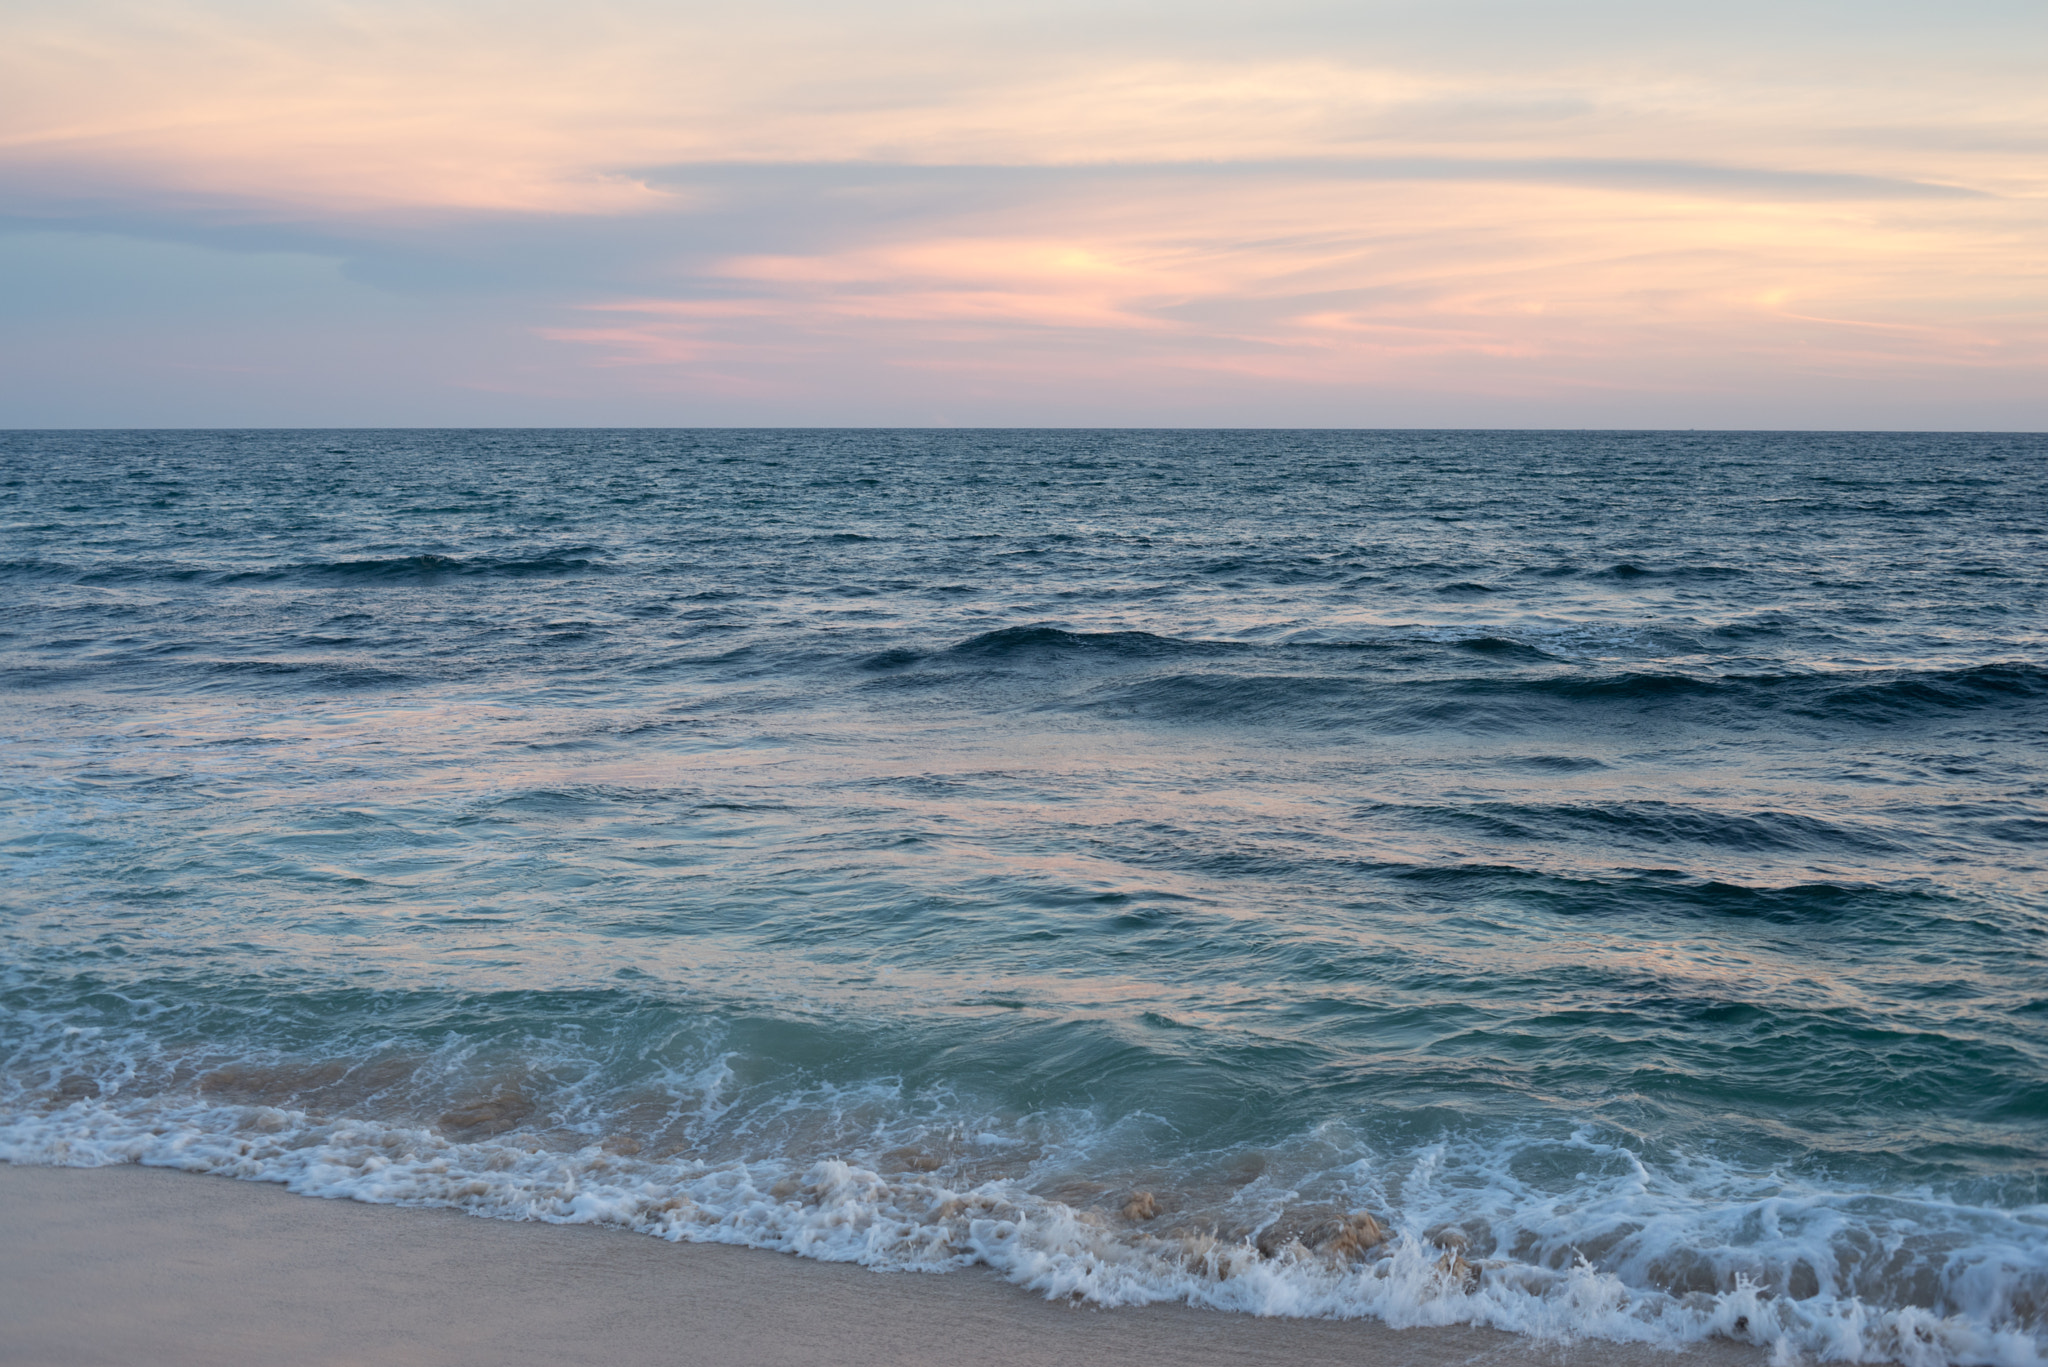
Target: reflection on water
x,y
1131,861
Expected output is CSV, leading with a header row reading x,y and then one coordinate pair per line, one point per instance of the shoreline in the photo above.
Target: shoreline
x,y
129,1265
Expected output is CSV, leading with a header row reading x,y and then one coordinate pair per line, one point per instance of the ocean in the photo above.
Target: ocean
x,y
1590,884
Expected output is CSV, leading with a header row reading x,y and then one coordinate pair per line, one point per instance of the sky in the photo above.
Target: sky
x,y
1460,213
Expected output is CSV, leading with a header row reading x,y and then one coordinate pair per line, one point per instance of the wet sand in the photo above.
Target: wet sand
x,y
151,1268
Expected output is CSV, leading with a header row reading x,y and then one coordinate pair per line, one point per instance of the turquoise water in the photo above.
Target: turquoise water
x,y
1613,862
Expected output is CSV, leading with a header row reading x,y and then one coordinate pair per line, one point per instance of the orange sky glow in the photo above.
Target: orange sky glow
x,y
1376,214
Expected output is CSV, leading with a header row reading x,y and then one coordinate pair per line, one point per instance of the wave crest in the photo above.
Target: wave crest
x,y
1769,1282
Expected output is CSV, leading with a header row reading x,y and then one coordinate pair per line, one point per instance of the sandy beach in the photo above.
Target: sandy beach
x,y
147,1266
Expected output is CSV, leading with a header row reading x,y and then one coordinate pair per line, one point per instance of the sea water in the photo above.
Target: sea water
x,y
1614,863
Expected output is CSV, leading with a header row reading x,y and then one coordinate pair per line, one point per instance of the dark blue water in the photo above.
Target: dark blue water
x,y
1613,862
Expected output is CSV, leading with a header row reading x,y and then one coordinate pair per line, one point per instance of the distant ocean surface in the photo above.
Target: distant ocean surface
x,y
1615,863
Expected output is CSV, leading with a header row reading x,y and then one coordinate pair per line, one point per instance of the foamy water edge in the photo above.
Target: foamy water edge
x,y
836,1211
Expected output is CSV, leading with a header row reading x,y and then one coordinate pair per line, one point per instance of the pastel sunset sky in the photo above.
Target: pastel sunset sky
x,y
793,212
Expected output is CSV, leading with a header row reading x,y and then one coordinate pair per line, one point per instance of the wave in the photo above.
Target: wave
x,y
575,560
1646,895
1628,686
421,567
1644,823
1306,700
1630,570
37,569
1632,1253
215,675
656,1116
1390,702
1892,694
27,678
1503,648
1028,643
1386,699
239,672
1878,696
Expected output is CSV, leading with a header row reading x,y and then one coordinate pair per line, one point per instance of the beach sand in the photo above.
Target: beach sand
x,y
151,1267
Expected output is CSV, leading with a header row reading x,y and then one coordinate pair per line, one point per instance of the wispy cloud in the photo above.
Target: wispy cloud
x,y
1616,173
1353,203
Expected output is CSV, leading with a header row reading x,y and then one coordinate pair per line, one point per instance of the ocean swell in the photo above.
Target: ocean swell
x,y
1608,866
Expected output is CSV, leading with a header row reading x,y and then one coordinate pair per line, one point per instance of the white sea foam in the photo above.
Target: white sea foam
x,y
1655,1234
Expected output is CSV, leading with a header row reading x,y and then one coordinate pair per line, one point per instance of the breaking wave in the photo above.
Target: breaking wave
x,y
1461,1233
